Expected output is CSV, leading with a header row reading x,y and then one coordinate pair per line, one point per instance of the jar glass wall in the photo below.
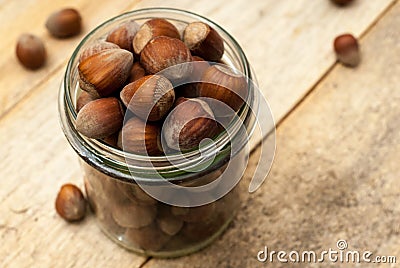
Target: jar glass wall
x,y
126,213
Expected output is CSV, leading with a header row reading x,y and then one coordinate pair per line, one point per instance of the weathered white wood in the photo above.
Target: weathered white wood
x,y
36,158
336,171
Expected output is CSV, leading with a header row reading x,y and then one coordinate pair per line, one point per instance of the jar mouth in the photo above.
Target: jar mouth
x,y
116,157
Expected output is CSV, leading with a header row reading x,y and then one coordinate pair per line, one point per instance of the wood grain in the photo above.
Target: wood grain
x,y
37,158
336,170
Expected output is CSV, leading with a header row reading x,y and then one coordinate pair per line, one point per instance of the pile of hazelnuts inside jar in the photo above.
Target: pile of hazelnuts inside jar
x,y
139,70
144,86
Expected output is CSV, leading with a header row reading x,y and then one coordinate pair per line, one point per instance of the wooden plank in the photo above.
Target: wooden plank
x,y
289,44
336,170
14,20
37,160
275,24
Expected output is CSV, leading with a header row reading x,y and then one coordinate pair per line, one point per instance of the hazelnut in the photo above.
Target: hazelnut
x,y
134,216
123,35
194,214
342,2
64,23
347,49
149,98
189,90
100,118
148,238
163,52
96,48
136,194
70,203
137,72
83,99
30,51
168,223
188,124
204,41
112,140
153,28
223,84
139,137
105,72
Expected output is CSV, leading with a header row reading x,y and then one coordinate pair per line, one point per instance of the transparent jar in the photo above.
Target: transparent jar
x,y
125,212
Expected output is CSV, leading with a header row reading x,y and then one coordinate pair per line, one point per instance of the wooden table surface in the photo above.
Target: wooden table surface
x,y
336,172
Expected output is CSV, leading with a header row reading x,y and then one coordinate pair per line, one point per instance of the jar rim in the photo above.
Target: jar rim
x,y
111,155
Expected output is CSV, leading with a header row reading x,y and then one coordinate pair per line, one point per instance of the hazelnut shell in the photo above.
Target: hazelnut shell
x,y
105,72
149,98
100,118
30,51
64,23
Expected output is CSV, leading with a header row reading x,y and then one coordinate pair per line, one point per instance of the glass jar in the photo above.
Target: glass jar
x,y
128,214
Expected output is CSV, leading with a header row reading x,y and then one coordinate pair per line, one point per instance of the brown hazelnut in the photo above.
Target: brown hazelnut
x,y
136,194
105,72
149,98
70,203
167,222
134,216
189,90
139,137
204,41
188,124
112,140
221,83
153,28
163,52
148,238
83,99
342,2
137,72
123,35
347,49
30,51
194,214
100,118
64,23
96,48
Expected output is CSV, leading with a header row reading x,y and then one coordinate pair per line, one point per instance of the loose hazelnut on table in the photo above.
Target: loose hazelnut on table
x,y
342,2
64,23
149,98
30,51
188,124
203,41
151,29
103,73
347,49
123,35
70,203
